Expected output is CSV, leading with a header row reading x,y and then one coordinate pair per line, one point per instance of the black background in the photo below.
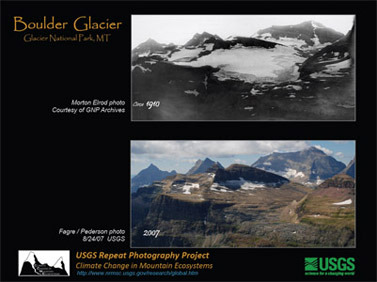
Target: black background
x,y
73,171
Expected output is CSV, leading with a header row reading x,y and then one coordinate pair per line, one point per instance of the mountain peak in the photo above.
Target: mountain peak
x,y
149,45
315,149
307,33
309,165
203,166
200,38
152,166
311,23
150,42
317,24
203,34
148,175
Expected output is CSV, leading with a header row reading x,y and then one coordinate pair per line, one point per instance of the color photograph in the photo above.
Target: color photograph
x,y
241,194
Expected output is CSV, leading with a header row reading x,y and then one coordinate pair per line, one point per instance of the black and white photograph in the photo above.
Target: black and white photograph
x,y
243,68
237,194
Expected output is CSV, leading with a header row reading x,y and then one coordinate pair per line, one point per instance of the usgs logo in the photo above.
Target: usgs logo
x,y
330,264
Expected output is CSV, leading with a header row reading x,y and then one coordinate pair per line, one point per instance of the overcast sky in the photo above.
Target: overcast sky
x,y
182,155
179,29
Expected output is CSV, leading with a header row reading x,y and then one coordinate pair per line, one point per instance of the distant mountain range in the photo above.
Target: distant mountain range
x,y
303,35
148,176
310,166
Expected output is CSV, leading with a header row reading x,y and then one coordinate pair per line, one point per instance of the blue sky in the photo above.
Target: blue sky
x,y
182,155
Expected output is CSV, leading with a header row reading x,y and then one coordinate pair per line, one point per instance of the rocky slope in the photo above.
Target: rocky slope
x,y
350,169
303,35
310,166
236,175
239,206
330,208
339,55
339,181
203,166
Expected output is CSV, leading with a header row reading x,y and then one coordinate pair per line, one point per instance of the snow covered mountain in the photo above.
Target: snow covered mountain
x,y
303,35
310,166
334,60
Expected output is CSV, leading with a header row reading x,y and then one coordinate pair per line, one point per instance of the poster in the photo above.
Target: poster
x,y
184,140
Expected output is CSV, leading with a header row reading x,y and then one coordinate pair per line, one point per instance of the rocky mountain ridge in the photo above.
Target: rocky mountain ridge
x,y
242,206
203,166
310,166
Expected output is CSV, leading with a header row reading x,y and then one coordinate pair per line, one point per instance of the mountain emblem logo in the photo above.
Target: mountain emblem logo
x,y
311,264
43,263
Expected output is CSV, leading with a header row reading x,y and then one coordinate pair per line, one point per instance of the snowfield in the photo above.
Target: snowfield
x,y
144,70
346,202
186,188
185,55
288,41
219,188
192,92
240,183
333,70
292,173
209,46
338,66
249,64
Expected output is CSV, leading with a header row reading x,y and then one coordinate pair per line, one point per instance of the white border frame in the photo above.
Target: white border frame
x,y
251,120
58,276
236,248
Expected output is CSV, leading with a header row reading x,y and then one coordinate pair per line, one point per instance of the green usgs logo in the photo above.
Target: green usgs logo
x,y
330,264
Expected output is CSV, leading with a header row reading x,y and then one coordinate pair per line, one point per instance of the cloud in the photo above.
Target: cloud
x,y
138,159
219,149
191,161
340,141
325,150
339,155
239,161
